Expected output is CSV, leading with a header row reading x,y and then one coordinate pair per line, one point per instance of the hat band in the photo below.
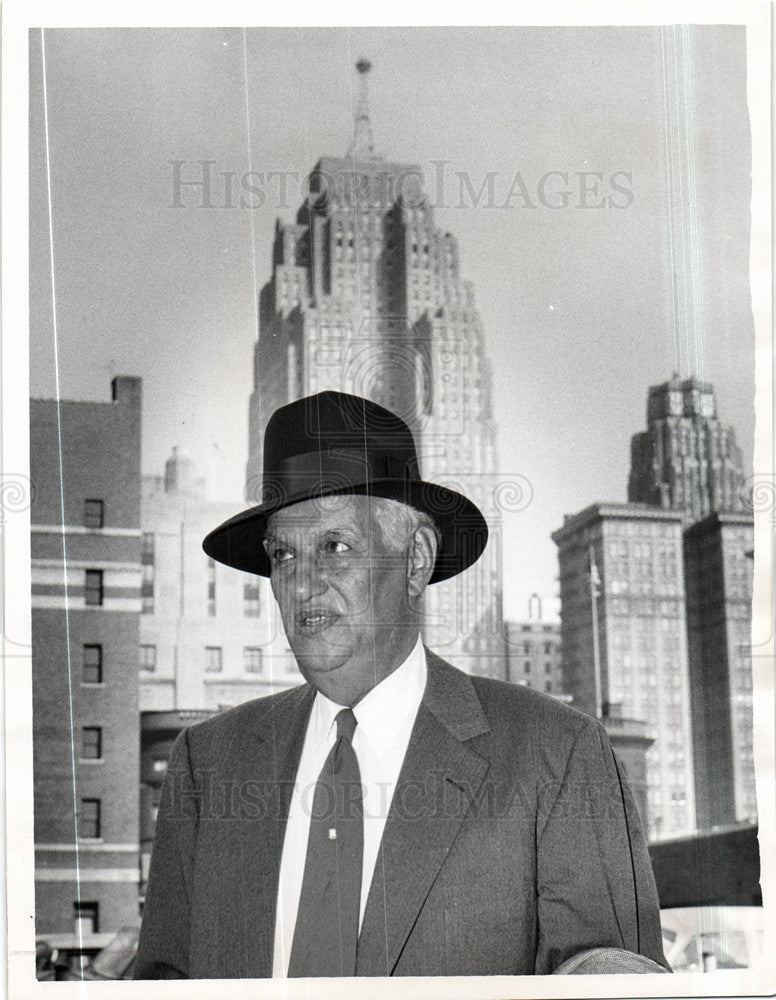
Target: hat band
x,y
319,472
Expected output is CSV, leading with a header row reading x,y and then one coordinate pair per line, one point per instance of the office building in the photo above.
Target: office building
x,y
718,568
624,635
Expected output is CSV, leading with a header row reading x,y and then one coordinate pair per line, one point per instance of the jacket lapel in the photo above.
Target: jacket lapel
x,y
268,756
439,778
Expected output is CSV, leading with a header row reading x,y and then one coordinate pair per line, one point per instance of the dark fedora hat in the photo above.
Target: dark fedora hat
x,y
335,444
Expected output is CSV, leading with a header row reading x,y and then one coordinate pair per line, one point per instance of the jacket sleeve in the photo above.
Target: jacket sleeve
x,y
594,878
163,950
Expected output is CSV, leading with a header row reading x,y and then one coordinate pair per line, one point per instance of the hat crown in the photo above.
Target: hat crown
x,y
334,433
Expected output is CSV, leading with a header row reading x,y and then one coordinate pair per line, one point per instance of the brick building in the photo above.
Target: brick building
x,y
85,463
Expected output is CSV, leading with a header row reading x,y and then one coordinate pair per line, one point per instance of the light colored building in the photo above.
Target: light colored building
x,y
624,636
534,651
366,297
85,464
210,637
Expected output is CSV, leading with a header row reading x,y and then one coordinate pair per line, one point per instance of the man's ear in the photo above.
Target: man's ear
x,y
421,560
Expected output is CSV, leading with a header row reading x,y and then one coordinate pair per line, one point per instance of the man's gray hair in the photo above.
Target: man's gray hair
x,y
398,522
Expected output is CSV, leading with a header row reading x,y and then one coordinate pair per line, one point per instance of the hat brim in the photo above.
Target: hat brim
x,y
238,542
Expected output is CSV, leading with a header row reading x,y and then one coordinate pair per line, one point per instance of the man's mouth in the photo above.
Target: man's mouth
x,y
315,620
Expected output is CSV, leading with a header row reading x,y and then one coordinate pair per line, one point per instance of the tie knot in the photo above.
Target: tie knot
x,y
346,724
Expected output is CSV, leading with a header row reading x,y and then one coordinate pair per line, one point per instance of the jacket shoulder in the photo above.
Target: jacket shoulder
x,y
253,714
531,721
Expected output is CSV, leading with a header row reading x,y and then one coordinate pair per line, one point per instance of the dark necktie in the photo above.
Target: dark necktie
x,y
326,930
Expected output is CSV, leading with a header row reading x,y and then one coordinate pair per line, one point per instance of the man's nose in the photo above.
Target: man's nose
x,y
309,579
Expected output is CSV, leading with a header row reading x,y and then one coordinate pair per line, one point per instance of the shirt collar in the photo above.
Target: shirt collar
x,y
385,712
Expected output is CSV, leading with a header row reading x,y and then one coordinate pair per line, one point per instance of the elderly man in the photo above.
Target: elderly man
x,y
392,816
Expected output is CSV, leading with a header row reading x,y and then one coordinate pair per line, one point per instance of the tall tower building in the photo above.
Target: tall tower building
x,y
686,460
366,297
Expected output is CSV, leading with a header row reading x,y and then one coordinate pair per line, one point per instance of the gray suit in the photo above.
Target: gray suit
x,y
511,843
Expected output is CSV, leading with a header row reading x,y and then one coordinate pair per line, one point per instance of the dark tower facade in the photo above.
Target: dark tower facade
x,y
366,297
686,460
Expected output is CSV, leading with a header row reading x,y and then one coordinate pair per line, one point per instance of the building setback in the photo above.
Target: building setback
x,y
622,594
85,463
210,637
366,297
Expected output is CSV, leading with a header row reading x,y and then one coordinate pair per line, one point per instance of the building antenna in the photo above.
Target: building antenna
x,y
363,142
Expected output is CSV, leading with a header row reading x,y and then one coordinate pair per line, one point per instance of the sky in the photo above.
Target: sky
x,y
576,302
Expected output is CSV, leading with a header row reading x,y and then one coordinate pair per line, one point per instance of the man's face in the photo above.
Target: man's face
x,y
343,595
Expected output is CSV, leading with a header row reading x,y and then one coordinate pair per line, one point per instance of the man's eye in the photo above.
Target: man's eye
x,y
278,555
335,545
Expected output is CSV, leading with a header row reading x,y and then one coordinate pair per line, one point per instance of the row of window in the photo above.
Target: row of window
x,y
92,662
252,659
528,648
528,666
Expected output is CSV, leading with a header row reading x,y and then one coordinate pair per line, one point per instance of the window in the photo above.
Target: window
x,y
527,667
548,649
94,513
148,657
93,588
89,819
147,589
91,743
147,560
86,918
211,588
252,659
548,687
147,549
91,668
213,659
251,598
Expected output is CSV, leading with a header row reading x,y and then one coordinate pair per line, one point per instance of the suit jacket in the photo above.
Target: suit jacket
x,y
510,845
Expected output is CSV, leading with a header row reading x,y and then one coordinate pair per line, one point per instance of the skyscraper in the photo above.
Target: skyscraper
x,y
366,297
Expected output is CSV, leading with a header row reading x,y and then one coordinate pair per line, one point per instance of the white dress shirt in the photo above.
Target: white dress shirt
x,y
385,718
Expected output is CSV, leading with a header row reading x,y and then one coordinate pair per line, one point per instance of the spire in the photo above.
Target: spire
x,y
363,143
